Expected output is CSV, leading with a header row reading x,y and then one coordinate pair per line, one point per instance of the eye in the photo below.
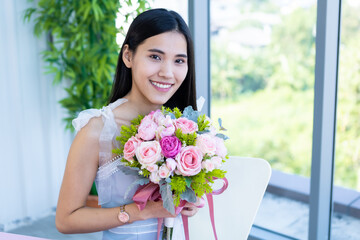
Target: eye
x,y
179,61
155,57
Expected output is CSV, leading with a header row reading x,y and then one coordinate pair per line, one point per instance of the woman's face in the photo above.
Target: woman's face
x,y
159,66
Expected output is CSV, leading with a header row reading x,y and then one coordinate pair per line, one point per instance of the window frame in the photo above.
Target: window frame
x,y
325,98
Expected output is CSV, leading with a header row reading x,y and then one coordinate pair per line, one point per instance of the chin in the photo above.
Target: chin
x,y
160,101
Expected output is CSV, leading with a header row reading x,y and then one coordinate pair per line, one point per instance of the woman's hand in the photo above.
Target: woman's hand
x,y
189,210
155,210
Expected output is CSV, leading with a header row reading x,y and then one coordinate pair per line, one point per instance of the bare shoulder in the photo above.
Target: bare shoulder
x,y
85,148
124,113
93,128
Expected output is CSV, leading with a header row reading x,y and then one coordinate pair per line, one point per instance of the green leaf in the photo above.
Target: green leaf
x,y
28,14
188,181
129,170
140,181
166,196
191,114
189,195
202,123
82,48
220,135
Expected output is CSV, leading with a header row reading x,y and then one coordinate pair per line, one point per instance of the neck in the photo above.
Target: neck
x,y
140,105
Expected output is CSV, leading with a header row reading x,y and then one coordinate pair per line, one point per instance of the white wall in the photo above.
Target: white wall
x,y
33,142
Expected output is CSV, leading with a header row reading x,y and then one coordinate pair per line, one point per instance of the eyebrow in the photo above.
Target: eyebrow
x,y
162,52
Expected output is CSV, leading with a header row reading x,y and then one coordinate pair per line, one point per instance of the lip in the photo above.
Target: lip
x,y
159,88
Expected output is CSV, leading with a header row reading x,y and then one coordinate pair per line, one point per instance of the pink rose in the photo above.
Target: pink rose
x,y
154,177
165,131
220,147
158,117
206,143
186,125
148,153
152,168
130,147
166,127
208,165
147,129
189,161
168,131
164,171
170,146
167,121
217,161
152,113
171,164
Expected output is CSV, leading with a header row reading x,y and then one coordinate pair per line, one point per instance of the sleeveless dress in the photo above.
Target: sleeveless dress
x,y
112,183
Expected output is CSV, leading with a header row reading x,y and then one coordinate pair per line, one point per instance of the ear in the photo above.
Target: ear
x,y
127,56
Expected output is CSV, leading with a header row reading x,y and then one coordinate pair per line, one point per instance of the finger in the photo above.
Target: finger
x,y
189,211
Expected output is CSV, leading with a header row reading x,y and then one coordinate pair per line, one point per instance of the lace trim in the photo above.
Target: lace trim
x,y
108,168
110,161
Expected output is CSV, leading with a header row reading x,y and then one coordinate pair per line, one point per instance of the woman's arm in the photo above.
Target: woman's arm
x,y
72,216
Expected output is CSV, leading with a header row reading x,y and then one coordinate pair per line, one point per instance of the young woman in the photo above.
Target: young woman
x,y
155,68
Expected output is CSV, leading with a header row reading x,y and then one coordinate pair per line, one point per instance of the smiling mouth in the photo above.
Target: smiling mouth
x,y
161,85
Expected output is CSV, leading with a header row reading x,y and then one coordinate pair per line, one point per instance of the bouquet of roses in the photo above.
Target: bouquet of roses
x,y
176,154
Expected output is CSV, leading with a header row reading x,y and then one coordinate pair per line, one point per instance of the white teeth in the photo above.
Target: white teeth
x,y
159,85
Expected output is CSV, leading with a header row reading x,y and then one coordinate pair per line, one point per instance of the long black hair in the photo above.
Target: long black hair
x,y
146,25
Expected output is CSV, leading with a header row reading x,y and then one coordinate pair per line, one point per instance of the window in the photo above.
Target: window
x,y
262,86
347,155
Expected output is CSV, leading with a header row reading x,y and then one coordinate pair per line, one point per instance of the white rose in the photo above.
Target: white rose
x,y
208,165
154,177
164,171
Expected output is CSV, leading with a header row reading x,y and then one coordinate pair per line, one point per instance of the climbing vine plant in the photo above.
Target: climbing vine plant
x,y
82,48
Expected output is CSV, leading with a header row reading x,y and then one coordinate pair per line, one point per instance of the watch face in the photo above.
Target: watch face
x,y
123,217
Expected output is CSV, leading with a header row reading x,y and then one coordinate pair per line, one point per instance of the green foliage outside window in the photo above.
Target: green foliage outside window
x,y
271,90
82,48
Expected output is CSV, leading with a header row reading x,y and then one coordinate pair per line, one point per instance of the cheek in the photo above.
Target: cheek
x,y
143,71
180,74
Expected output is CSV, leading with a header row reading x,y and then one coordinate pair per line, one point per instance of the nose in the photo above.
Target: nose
x,y
166,70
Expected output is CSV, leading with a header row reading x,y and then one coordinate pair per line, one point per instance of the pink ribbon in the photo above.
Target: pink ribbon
x,y
211,209
145,193
150,192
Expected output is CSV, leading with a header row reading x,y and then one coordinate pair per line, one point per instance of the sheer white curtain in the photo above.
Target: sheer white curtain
x,y
33,143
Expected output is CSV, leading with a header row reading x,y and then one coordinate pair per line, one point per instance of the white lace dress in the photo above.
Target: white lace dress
x,y
112,183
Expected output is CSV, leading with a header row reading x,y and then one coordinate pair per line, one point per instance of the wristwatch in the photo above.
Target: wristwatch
x,y
123,216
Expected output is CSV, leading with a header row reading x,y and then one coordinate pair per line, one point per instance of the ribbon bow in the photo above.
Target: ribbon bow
x,y
150,192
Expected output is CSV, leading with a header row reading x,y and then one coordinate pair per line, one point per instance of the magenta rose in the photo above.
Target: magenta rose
x,y
170,146
130,147
189,161
148,153
147,129
186,125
